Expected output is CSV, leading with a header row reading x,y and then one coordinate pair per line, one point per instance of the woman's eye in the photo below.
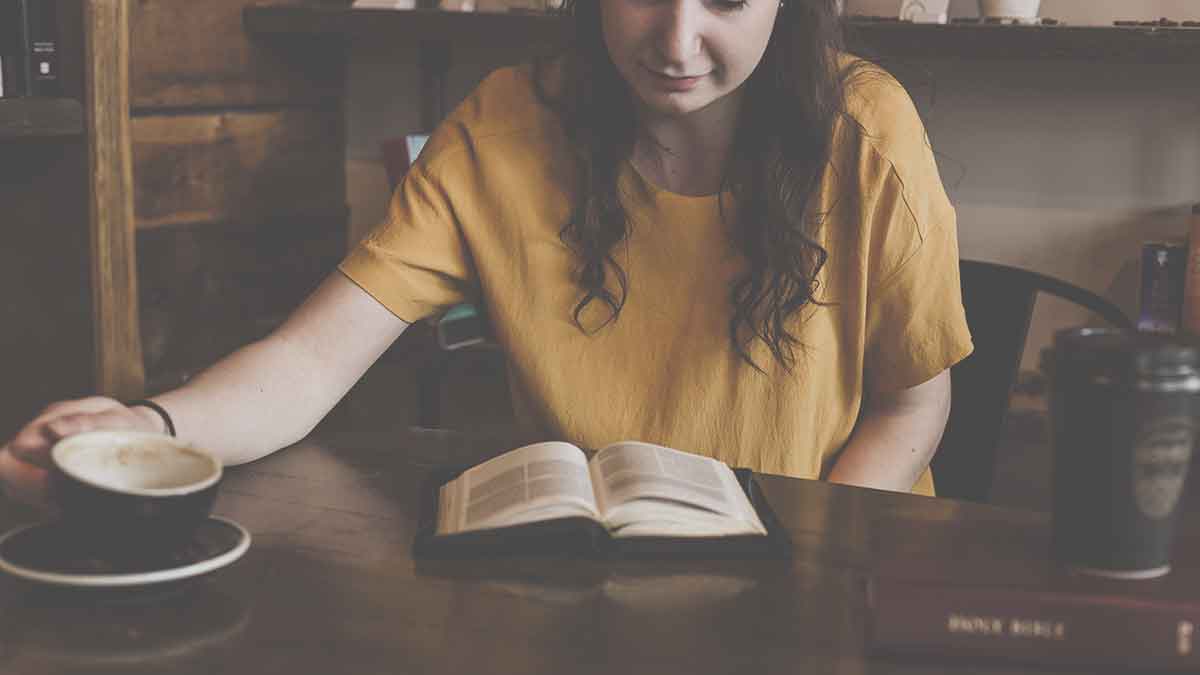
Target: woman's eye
x,y
730,5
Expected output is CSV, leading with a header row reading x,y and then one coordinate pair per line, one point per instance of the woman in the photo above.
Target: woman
x,y
706,227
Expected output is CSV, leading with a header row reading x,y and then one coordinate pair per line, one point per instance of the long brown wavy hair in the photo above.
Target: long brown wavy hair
x,y
781,148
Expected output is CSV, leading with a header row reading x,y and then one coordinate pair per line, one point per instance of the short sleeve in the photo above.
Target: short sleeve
x,y
915,323
416,262
916,326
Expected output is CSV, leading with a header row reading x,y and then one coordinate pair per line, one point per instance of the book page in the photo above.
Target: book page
x,y
534,482
650,489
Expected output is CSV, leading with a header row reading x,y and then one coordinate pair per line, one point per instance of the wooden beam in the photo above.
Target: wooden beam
x,y
40,117
195,53
238,167
119,369
892,39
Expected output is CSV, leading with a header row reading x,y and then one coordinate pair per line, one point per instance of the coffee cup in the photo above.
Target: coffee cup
x,y
1125,414
133,489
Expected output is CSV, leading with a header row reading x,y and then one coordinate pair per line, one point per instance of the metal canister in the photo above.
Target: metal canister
x,y
1124,410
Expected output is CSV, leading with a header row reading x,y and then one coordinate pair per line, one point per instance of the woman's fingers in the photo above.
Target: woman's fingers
x,y
69,425
91,404
25,460
24,482
32,444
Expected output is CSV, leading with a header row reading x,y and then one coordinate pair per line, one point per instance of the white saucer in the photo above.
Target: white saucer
x,y
42,553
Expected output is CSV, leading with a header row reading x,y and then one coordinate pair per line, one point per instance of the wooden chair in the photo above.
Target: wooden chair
x,y
999,303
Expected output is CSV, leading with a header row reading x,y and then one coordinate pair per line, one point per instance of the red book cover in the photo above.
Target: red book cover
x,y
1191,292
1038,615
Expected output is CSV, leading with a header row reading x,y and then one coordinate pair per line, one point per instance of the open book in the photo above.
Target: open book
x,y
631,489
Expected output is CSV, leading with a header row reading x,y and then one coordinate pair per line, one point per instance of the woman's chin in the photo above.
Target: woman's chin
x,y
673,104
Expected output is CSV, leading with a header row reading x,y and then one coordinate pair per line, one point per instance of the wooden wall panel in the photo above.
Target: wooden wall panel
x,y
191,53
207,289
238,167
239,172
46,351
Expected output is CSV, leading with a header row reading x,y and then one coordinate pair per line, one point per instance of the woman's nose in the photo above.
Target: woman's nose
x,y
679,31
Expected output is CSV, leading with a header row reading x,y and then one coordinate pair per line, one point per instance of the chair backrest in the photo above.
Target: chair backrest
x,y
465,339
999,304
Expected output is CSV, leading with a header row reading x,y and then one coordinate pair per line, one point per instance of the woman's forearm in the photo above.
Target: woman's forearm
x,y
271,393
896,437
255,401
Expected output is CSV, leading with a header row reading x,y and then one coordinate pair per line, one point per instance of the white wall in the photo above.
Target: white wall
x,y
1061,167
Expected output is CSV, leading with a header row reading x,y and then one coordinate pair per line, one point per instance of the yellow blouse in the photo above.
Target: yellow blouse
x,y
477,219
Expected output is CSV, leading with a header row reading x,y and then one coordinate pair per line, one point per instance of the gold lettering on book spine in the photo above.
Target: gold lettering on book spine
x,y
1014,627
1184,637
968,624
1037,628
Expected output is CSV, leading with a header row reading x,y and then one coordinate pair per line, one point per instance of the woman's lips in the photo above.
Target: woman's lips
x,y
670,83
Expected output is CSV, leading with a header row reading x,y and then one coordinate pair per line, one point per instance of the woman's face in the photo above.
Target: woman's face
x,y
679,56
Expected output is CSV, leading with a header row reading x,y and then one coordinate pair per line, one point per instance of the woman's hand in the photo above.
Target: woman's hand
x,y
25,460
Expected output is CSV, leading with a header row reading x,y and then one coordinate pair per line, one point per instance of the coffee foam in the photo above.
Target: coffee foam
x,y
127,464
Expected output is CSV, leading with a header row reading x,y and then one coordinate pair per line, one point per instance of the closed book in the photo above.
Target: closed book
x,y
1163,270
1065,622
1191,292
29,46
13,46
41,31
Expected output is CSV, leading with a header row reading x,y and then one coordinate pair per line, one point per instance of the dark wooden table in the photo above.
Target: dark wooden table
x,y
329,586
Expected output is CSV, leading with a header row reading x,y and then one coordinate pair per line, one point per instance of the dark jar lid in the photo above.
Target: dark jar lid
x,y
1124,354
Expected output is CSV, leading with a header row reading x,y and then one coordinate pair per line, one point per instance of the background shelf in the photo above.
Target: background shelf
x,y
40,117
1135,44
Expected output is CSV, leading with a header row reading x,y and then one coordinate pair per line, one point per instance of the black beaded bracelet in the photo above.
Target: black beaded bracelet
x,y
162,412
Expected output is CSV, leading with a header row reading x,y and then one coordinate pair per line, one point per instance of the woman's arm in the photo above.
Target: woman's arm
x,y
263,397
271,393
896,437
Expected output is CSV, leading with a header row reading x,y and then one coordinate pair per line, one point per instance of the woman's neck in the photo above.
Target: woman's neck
x,y
685,155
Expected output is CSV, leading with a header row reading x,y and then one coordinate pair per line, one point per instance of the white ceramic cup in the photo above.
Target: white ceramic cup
x,y
925,11
1010,9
